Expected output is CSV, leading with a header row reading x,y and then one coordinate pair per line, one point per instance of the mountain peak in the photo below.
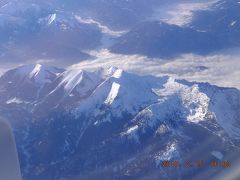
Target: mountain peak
x,y
115,90
79,79
37,72
109,72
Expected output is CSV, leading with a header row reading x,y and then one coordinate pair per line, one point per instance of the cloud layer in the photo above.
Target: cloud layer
x,y
222,68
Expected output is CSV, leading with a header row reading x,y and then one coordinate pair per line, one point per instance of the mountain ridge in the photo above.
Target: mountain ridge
x,y
106,116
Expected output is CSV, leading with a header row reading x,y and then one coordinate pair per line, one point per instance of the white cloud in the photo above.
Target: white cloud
x,y
108,34
223,68
2,71
180,13
103,28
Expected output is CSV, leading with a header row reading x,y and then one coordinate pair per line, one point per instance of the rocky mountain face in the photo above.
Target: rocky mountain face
x,y
111,124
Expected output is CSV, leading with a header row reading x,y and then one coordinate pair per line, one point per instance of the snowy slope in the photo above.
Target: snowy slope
x,y
38,73
73,115
26,82
111,93
151,100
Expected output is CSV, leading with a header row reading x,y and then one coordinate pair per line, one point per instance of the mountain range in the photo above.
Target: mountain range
x,y
63,33
112,124
107,123
209,30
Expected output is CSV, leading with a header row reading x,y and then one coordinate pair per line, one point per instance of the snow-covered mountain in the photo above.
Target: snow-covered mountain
x,y
26,83
40,30
64,33
109,123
